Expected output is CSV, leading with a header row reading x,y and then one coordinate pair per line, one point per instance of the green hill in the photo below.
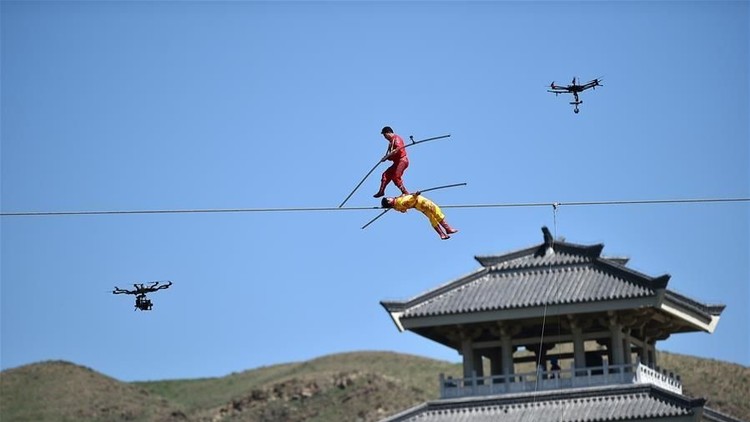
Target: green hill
x,y
360,386
725,385
61,391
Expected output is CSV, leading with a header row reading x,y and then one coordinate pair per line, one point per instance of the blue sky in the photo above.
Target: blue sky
x,y
240,104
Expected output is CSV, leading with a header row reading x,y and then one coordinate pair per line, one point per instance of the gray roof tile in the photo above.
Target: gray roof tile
x,y
593,404
529,278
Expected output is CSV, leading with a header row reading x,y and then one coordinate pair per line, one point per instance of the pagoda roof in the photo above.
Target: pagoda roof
x,y
618,403
575,278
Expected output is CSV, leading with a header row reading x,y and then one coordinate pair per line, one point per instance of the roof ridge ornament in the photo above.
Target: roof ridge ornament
x,y
549,241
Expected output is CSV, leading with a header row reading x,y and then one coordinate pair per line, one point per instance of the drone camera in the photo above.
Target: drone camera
x,y
142,303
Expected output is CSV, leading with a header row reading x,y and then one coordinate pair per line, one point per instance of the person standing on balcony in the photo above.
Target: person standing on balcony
x,y
554,368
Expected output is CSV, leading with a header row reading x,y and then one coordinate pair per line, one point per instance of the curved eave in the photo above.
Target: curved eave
x,y
480,316
703,320
395,311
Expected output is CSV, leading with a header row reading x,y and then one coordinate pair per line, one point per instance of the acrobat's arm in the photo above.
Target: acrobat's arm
x,y
393,147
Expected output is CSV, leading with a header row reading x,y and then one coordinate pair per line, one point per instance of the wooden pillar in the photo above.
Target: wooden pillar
x,y
506,347
648,353
616,342
579,349
627,346
642,351
467,350
651,352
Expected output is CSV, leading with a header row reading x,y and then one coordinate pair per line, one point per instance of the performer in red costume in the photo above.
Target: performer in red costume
x,y
397,153
430,209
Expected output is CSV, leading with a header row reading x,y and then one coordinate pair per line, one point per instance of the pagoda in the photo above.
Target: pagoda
x,y
556,332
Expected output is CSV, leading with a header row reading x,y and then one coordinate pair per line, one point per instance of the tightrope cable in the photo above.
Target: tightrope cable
x,y
591,203
185,211
331,209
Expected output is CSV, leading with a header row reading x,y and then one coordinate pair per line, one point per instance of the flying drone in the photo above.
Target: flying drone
x,y
141,302
574,88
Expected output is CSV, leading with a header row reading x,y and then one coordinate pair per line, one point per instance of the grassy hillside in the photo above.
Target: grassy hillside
x,y
61,391
364,385
725,385
361,386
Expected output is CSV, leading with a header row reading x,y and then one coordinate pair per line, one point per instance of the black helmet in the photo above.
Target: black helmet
x,y
386,129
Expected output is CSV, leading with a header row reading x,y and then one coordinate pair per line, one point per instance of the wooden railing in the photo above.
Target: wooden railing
x,y
552,380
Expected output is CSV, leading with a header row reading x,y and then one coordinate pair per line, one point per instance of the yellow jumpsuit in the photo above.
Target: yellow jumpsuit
x,y
425,206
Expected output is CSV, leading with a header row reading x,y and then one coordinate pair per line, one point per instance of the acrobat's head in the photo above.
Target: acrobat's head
x,y
387,132
386,202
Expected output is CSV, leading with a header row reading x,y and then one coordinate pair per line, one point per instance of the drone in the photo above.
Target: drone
x,y
141,302
574,88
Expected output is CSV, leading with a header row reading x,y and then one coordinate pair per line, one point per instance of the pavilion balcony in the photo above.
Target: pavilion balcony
x,y
555,380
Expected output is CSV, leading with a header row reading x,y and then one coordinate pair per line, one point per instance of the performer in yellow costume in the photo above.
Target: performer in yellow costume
x,y
430,209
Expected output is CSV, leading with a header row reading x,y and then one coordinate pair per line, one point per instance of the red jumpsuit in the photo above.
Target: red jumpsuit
x,y
396,170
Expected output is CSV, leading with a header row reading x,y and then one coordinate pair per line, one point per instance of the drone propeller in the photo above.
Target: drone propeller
x,y
142,288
